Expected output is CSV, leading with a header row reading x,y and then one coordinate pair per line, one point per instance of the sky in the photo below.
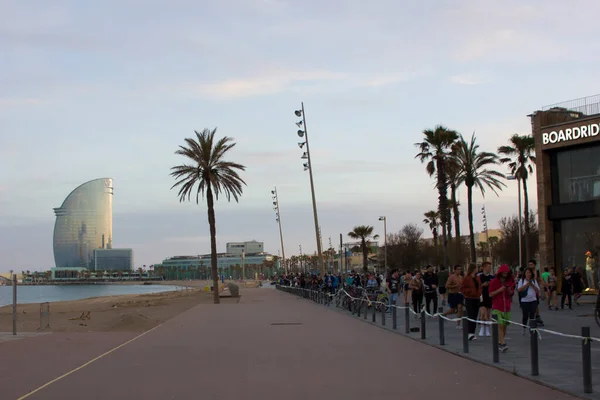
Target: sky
x,y
112,88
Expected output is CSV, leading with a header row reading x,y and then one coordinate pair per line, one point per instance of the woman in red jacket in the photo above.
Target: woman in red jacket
x,y
471,290
502,288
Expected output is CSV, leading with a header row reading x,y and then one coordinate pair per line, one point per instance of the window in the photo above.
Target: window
x,y
577,174
579,236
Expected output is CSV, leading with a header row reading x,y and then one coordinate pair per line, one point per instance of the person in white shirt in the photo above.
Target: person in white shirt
x,y
528,290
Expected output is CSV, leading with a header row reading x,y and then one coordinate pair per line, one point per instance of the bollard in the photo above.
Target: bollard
x,y
14,305
535,362
465,334
394,321
586,349
374,313
358,309
383,316
366,310
441,324
406,318
352,306
423,325
495,350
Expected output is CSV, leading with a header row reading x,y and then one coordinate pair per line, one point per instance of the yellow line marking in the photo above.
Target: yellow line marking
x,y
86,364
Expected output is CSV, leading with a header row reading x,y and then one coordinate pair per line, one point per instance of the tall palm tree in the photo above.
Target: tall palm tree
x,y
364,233
434,150
474,172
520,158
432,219
452,171
208,174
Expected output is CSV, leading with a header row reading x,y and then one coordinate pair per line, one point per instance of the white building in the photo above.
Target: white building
x,y
251,247
113,260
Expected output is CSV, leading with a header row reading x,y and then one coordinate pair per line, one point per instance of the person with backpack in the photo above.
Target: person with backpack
x,y
528,290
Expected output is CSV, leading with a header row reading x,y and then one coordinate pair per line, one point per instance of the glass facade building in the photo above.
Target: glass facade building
x,y
83,224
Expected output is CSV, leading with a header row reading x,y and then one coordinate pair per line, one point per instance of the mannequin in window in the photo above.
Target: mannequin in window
x,y
589,270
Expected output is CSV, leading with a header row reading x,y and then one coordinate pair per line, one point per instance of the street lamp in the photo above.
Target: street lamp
x,y
384,219
278,219
308,167
487,235
513,178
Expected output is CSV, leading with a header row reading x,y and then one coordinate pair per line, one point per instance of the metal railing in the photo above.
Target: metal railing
x,y
570,110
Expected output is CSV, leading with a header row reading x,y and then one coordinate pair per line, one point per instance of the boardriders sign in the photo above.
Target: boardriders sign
x,y
568,134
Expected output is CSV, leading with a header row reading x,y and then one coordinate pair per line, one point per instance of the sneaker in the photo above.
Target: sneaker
x,y
472,337
482,331
487,331
458,327
502,347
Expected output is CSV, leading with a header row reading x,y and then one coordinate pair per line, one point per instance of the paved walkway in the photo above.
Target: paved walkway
x,y
271,345
560,362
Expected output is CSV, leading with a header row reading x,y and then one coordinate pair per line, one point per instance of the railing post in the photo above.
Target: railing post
x,y
495,350
394,321
358,308
441,326
383,316
586,349
423,325
406,318
366,310
374,316
535,361
465,336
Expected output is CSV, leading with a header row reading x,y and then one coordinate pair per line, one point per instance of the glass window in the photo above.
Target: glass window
x,y
578,236
578,174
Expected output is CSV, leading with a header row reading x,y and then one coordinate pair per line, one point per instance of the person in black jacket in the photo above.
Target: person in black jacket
x,y
430,282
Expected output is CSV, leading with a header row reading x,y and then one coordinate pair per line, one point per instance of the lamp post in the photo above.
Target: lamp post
x,y
384,219
487,235
513,178
308,167
278,219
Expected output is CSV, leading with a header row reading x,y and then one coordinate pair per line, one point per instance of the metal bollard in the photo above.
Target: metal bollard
x,y
495,350
394,320
535,361
441,325
374,313
586,350
423,325
465,334
383,316
358,309
406,318
366,311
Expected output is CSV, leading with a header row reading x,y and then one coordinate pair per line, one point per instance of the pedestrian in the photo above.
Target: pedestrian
x,y
430,281
485,308
471,290
529,291
502,288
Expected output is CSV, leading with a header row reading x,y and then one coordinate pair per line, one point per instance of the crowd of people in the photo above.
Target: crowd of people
x,y
477,292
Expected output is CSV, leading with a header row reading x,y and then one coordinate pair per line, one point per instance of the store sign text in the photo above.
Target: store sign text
x,y
564,135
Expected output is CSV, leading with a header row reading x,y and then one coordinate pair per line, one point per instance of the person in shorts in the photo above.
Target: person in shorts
x,y
442,279
485,277
501,290
455,298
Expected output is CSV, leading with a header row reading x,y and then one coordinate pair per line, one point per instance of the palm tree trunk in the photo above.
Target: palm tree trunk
x,y
456,215
443,208
471,230
213,243
365,252
527,227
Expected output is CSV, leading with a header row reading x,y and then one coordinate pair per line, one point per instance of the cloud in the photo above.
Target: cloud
x,y
19,101
466,79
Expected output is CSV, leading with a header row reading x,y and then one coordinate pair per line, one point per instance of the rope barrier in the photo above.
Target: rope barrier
x,y
440,315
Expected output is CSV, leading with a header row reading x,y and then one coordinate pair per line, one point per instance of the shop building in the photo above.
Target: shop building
x,y
567,145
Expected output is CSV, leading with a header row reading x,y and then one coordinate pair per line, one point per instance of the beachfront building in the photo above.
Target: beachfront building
x,y
83,224
251,247
113,260
229,265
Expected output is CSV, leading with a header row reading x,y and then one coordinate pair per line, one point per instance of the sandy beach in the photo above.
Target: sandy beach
x,y
123,313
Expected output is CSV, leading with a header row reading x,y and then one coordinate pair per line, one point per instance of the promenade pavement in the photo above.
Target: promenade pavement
x,y
560,358
271,345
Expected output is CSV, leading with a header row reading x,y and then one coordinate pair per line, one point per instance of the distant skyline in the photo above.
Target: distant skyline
x,y
110,89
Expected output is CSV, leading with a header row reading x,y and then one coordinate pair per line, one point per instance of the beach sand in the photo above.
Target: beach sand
x,y
123,313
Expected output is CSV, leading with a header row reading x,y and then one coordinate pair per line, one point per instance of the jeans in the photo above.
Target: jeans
x,y
564,295
431,297
417,299
528,309
393,299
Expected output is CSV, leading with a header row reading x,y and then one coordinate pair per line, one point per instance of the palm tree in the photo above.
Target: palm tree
x,y
432,219
474,172
520,157
434,150
211,175
452,171
364,233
